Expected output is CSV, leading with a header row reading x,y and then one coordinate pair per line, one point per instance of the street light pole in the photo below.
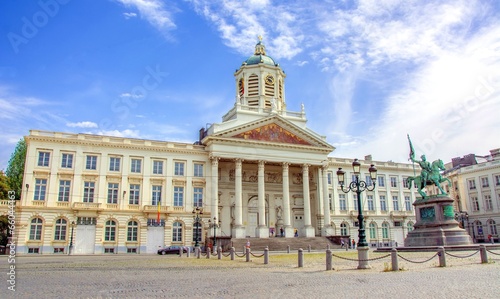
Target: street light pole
x,y
196,216
359,186
71,238
214,225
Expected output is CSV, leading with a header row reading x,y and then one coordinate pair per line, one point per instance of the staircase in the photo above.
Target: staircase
x,y
281,244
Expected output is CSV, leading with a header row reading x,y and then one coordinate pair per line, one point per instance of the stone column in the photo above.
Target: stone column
x,y
308,230
286,202
262,230
327,227
238,229
214,209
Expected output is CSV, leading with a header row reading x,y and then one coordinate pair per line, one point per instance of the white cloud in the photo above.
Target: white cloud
x,y
155,12
82,124
118,133
129,15
130,95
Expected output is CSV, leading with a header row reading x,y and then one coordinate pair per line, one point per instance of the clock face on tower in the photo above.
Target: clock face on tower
x,y
269,79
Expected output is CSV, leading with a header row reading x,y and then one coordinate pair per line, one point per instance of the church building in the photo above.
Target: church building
x,y
259,172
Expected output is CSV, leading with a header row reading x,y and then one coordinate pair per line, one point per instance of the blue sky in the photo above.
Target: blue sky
x,y
367,72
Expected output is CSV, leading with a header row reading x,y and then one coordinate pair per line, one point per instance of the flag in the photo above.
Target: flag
x,y
159,208
412,150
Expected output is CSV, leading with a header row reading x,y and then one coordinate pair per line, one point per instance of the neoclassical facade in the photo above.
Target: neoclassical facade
x,y
257,172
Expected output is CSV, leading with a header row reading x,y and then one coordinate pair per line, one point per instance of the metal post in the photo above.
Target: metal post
x,y
70,251
329,265
394,259
288,249
484,255
442,257
219,252
247,254
266,256
301,258
232,253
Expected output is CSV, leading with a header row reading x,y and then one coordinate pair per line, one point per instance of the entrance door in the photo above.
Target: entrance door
x,y
156,238
252,224
85,239
298,222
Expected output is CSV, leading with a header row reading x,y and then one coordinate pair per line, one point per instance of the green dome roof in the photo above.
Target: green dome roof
x,y
256,59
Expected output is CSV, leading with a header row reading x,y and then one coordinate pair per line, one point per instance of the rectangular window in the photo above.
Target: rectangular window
x,y
67,161
156,196
488,203
371,206
135,165
178,196
135,190
88,191
484,182
198,197
355,202
395,203
198,170
64,188
383,203
471,184
330,201
394,182
179,168
40,189
368,180
91,163
43,159
381,181
114,163
497,179
329,178
405,182
60,230
408,203
342,202
475,203
113,193
157,167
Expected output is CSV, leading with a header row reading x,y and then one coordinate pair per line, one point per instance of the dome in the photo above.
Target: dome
x,y
259,56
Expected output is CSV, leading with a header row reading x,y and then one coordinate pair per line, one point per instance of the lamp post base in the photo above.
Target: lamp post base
x,y
363,258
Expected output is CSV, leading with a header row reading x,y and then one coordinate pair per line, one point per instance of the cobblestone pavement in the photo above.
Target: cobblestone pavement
x,y
153,276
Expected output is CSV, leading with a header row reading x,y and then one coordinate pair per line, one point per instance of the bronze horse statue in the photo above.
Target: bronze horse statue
x,y
434,177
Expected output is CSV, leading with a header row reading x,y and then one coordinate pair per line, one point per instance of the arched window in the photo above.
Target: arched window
x,y
385,230
60,231
132,229
493,227
478,226
36,229
110,231
177,232
343,229
373,231
409,226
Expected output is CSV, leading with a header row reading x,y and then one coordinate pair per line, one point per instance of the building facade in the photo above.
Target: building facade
x,y
476,190
258,172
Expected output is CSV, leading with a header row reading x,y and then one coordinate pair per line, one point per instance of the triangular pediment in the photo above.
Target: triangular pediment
x,y
272,130
272,133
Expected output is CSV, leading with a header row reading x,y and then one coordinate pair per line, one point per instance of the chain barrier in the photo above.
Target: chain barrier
x,y
462,256
492,252
242,255
226,254
203,254
418,262
364,260
257,255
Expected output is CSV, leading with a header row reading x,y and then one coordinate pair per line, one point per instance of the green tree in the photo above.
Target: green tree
x,y
15,169
4,186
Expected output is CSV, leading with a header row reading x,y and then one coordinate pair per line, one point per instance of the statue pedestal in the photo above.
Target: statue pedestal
x,y
436,224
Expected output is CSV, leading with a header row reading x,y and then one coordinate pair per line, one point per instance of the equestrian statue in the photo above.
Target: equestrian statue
x,y
430,174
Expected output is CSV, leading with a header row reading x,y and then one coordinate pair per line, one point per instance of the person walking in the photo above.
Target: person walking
x,y
353,244
342,244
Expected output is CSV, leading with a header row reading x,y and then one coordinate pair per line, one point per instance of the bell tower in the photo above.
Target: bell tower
x,y
260,83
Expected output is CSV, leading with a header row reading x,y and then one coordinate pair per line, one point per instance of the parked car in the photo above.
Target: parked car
x,y
172,250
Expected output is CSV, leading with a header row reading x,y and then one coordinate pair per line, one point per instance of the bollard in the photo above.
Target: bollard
x,y
266,256
288,249
442,258
188,252
327,246
247,254
232,253
301,257
394,259
329,260
219,252
484,255
208,253
309,248
197,252
180,251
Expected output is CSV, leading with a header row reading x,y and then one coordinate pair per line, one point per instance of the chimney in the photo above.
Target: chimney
x,y
368,157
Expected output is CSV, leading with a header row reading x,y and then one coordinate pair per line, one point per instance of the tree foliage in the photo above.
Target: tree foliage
x,y
15,169
4,186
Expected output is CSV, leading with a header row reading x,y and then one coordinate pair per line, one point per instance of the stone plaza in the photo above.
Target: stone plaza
x,y
171,276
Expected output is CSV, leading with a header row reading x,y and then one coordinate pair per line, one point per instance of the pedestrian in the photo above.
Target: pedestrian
x,y
342,244
248,244
353,244
296,234
281,231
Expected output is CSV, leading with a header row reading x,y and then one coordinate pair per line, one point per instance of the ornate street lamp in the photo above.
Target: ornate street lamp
x,y
214,225
73,224
196,217
359,186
